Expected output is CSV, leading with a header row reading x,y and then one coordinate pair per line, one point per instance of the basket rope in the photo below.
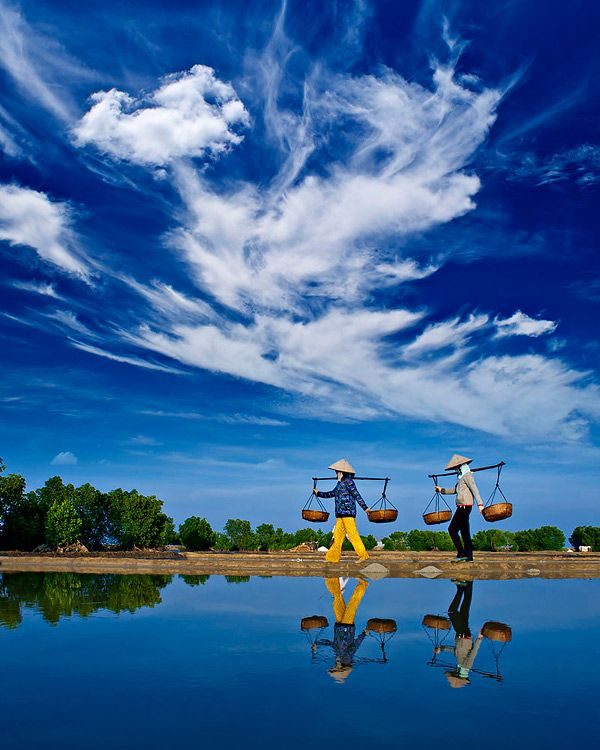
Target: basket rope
x,y
313,497
437,496
384,503
497,488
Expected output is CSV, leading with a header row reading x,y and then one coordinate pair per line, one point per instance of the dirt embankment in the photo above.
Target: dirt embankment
x,y
487,565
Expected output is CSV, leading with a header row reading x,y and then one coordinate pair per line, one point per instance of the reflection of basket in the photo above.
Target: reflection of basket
x,y
315,516
378,625
497,512
437,622
314,622
497,631
383,515
437,516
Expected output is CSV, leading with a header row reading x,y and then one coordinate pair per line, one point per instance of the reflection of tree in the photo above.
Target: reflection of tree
x,y
195,580
57,595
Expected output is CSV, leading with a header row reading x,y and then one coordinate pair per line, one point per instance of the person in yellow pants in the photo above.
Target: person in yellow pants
x,y
346,497
344,644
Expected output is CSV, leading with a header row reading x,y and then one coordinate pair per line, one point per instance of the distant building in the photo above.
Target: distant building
x,y
584,548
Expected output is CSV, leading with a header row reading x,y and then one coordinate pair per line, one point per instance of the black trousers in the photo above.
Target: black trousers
x,y
458,610
460,531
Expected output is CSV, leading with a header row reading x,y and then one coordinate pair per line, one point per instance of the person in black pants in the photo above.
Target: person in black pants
x,y
465,648
466,493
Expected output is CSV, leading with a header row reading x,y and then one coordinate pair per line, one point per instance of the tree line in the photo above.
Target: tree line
x,y
60,514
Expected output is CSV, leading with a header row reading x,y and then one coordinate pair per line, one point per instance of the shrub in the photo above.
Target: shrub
x,y
537,540
222,543
196,534
63,524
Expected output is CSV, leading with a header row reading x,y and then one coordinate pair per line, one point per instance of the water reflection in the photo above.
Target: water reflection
x,y
56,595
345,643
465,648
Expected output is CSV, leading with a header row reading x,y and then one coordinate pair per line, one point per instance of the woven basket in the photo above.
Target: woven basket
x,y
497,631
315,516
437,622
384,515
314,622
497,512
378,625
437,516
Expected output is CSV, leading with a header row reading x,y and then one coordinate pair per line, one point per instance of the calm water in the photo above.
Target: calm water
x,y
151,661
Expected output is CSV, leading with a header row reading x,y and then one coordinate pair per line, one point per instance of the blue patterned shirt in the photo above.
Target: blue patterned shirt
x,y
346,496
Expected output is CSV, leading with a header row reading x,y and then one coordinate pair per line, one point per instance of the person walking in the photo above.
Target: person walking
x,y
346,496
464,649
466,493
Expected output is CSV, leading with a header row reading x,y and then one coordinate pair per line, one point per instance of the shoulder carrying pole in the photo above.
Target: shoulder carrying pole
x,y
453,473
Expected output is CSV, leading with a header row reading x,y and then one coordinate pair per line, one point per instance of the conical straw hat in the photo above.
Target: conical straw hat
x,y
457,460
343,465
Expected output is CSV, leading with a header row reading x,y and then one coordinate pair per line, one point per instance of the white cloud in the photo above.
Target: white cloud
x,y
30,218
404,270
191,114
521,324
45,289
37,64
580,164
64,458
135,361
447,333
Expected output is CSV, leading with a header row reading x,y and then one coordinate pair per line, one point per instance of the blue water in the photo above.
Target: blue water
x,y
154,661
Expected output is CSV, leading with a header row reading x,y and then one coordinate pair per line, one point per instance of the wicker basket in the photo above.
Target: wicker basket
x,y
314,622
437,622
497,631
315,516
378,625
437,516
383,515
497,512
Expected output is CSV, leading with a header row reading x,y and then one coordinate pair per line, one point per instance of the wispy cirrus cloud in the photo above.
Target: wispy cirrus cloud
x,y
38,65
31,219
580,165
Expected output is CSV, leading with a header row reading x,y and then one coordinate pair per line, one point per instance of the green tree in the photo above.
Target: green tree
x,y
549,538
397,540
63,523
137,520
492,540
93,508
222,542
586,536
195,580
196,533
240,535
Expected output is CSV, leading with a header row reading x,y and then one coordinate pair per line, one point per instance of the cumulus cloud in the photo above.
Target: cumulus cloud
x,y
64,458
32,219
190,114
521,324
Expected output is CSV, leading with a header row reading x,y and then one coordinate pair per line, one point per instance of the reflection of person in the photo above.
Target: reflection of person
x,y
466,492
464,649
346,496
344,643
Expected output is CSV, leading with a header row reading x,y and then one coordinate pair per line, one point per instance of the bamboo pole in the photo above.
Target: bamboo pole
x,y
481,468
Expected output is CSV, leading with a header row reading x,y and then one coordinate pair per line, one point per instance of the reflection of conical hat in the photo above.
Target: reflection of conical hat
x,y
456,681
340,674
456,461
343,465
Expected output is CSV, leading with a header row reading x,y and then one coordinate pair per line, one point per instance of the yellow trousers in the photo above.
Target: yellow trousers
x,y
346,527
342,613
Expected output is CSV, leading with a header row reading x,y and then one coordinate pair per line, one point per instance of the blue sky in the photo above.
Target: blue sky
x,y
242,240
